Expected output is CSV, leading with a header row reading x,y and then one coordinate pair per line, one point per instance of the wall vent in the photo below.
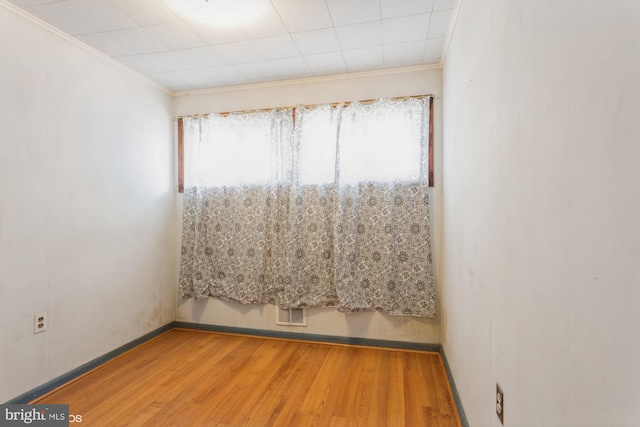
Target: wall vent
x,y
291,316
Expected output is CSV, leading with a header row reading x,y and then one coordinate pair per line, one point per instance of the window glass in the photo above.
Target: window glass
x,y
383,141
234,149
317,130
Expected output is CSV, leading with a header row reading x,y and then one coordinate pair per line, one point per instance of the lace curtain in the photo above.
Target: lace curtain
x,y
330,213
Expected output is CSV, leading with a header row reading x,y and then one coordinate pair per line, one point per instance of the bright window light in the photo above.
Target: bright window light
x,y
380,143
318,128
384,142
236,150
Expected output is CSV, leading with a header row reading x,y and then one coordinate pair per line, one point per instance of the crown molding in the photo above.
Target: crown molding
x,y
450,30
55,31
278,83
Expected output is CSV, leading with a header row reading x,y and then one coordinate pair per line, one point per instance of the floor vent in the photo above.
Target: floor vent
x,y
291,316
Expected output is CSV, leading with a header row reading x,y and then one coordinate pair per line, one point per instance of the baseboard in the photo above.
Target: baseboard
x,y
65,378
404,345
454,390
74,373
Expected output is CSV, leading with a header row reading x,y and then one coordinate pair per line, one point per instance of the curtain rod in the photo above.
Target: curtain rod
x,y
293,107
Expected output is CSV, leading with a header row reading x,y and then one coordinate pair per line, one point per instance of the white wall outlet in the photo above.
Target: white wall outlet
x,y
40,322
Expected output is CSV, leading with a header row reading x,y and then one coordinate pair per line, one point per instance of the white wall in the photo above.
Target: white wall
x,y
325,321
541,193
87,218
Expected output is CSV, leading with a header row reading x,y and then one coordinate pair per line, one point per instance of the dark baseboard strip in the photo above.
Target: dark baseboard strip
x,y
311,337
65,378
454,390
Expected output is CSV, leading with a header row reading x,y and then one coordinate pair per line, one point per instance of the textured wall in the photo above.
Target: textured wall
x,y
87,214
541,205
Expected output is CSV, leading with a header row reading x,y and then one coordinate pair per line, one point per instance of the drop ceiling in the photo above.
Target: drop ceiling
x,y
290,39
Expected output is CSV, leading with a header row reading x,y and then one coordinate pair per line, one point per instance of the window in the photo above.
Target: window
x,y
324,206
378,142
239,150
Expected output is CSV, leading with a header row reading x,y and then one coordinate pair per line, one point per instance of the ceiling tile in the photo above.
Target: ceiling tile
x,y
353,11
317,41
397,8
268,25
161,62
145,12
220,12
405,29
196,79
403,54
360,35
444,5
64,16
303,15
291,68
257,72
102,15
226,76
433,49
439,24
216,35
369,58
174,80
176,35
239,52
276,47
139,40
106,43
201,57
322,64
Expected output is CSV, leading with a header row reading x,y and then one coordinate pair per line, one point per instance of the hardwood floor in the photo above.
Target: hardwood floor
x,y
194,378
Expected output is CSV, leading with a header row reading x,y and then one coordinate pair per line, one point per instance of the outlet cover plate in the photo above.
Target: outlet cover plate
x,y
40,322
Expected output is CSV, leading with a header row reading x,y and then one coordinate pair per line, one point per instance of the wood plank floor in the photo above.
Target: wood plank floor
x,y
194,378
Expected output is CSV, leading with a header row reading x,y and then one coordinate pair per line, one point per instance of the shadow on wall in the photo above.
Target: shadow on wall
x,y
199,308
357,324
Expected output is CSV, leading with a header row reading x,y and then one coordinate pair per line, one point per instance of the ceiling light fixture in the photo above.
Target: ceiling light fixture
x,y
220,12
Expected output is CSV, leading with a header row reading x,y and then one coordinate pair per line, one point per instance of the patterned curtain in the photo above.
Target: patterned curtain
x,y
233,206
382,239
333,212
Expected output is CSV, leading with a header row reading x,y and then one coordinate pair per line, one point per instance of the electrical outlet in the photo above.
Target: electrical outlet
x,y
500,404
40,322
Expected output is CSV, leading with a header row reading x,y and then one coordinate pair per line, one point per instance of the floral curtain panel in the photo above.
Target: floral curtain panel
x,y
237,166
333,212
382,240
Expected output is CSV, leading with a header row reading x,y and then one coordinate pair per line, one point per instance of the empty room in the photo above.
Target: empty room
x,y
320,212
